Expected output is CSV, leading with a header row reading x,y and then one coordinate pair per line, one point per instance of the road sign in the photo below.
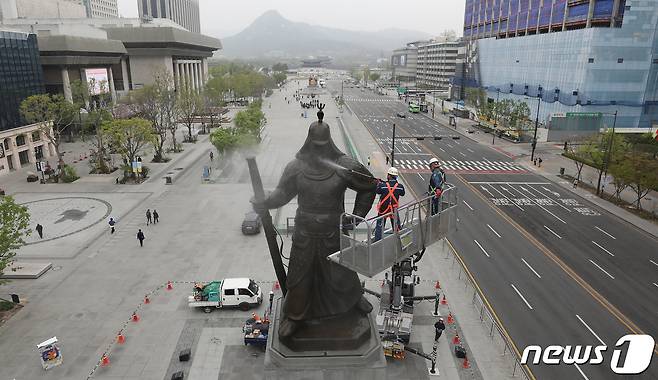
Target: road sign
x,y
584,114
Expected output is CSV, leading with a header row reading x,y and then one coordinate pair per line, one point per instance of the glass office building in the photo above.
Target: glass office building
x,y
578,56
21,75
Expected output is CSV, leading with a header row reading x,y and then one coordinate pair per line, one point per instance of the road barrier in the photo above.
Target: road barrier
x,y
487,316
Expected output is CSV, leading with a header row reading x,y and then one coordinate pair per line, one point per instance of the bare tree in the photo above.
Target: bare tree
x,y
190,104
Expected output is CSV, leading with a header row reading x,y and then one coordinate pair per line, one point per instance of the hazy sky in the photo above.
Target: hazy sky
x,y
222,18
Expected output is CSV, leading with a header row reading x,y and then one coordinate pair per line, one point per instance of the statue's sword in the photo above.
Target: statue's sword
x,y
268,226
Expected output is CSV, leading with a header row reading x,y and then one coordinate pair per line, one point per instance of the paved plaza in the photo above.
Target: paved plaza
x,y
98,279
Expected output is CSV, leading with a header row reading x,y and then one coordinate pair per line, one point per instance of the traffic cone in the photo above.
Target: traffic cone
x,y
121,339
466,364
169,285
437,285
146,299
451,320
383,282
443,300
105,361
135,317
276,285
456,340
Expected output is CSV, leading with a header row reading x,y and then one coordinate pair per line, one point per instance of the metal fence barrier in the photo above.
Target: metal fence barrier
x,y
488,319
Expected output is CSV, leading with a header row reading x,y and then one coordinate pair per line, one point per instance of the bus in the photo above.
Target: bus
x,y
414,108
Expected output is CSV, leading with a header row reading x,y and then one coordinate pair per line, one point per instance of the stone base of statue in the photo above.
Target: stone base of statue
x,y
343,348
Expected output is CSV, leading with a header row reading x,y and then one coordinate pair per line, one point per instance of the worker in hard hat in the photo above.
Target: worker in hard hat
x,y
437,180
390,192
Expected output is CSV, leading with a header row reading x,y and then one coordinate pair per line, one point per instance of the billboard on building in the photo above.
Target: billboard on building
x,y
97,80
399,60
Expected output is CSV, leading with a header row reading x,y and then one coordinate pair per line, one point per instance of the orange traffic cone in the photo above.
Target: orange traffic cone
x,y
105,361
451,320
146,299
437,285
135,317
383,282
276,285
443,300
456,340
466,364
169,285
121,339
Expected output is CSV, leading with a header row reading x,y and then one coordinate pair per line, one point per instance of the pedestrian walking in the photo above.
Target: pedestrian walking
x,y
112,222
439,326
368,160
390,192
156,216
148,217
540,161
140,237
534,162
39,229
212,156
387,160
575,183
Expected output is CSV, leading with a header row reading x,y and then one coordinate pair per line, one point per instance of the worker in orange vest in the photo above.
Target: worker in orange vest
x,y
390,192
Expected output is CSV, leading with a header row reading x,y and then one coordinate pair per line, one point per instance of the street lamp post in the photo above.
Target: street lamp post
x,y
393,148
534,138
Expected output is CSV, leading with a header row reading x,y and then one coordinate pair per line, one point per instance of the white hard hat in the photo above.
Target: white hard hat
x,y
393,171
433,160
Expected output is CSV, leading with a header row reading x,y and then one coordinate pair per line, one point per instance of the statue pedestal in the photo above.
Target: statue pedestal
x,y
343,348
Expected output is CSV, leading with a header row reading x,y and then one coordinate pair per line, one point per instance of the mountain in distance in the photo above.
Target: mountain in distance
x,y
273,36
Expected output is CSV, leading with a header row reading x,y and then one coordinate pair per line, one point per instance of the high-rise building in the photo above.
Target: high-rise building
x,y
436,64
21,76
101,8
11,9
183,12
403,64
579,57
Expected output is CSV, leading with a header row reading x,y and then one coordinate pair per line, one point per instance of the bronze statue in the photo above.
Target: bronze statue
x,y
319,175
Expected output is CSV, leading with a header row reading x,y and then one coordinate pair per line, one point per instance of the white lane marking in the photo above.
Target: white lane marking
x,y
503,195
467,205
442,150
602,270
544,195
470,150
581,371
614,238
521,295
487,190
553,232
590,329
421,177
485,252
540,206
653,262
655,285
531,268
454,158
508,183
462,154
606,251
492,230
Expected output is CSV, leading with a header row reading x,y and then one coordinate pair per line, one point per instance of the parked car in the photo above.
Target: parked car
x,y
251,223
401,115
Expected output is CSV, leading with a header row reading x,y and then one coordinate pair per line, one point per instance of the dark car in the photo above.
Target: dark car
x,y
401,114
251,224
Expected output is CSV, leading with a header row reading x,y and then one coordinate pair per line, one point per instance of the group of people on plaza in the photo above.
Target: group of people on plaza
x,y
391,190
151,218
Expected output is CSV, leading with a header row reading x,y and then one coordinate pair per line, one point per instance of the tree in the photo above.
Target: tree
x,y
374,76
98,108
447,36
14,223
602,151
572,152
190,104
129,136
280,67
279,78
224,139
53,113
640,171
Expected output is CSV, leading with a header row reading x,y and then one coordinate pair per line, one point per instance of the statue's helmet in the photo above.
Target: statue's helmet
x,y
319,133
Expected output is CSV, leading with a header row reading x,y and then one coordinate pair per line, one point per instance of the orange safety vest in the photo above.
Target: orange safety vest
x,y
392,205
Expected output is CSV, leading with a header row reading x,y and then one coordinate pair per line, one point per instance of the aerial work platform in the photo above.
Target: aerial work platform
x,y
419,229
